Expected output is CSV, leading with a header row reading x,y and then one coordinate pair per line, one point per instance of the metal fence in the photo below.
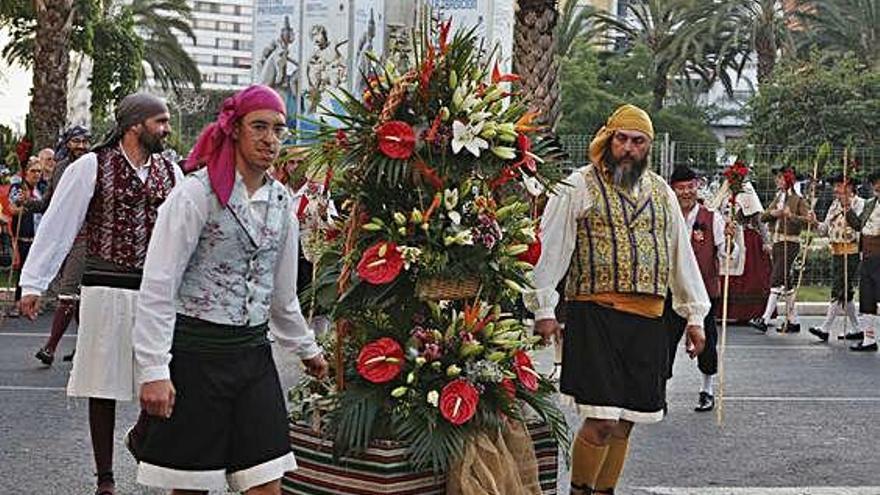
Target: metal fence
x,y
710,161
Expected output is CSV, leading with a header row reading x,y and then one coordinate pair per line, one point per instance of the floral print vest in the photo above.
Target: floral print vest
x,y
230,276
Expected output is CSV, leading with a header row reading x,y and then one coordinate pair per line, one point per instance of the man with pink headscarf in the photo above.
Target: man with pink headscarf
x,y
220,272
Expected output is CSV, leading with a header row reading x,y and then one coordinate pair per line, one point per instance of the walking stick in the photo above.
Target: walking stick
x,y
728,248
809,242
845,253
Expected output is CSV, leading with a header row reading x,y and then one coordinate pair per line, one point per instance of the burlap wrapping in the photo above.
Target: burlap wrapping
x,y
505,465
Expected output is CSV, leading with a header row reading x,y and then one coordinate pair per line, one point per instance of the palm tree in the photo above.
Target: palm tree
x,y
759,26
667,28
65,25
841,26
534,48
157,21
575,22
51,59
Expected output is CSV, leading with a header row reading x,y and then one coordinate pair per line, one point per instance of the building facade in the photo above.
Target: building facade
x,y
223,48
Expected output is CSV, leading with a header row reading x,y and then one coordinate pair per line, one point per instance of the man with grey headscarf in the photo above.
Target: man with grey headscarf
x,y
114,192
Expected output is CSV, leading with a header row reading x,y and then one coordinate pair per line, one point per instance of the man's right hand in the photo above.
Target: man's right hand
x,y
548,329
157,398
29,306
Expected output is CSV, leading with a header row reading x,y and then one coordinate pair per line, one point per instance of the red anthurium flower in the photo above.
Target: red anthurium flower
x,y
526,373
498,77
458,401
396,139
380,264
381,360
533,254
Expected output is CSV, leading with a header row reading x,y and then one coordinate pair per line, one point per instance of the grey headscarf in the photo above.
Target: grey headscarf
x,y
131,111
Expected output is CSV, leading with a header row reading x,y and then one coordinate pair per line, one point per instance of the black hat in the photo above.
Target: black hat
x,y
682,173
837,178
779,169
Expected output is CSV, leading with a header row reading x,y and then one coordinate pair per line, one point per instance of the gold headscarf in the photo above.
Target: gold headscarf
x,y
626,118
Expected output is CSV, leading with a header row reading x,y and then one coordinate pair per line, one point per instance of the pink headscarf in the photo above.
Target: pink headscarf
x,y
215,146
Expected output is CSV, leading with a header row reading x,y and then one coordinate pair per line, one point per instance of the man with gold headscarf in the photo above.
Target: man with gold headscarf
x,y
619,234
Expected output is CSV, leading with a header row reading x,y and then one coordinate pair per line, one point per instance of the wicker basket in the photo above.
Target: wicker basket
x,y
446,289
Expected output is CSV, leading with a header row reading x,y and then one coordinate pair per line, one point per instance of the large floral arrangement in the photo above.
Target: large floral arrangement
x,y
438,171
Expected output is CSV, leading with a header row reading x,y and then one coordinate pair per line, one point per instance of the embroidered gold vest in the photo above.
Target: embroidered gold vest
x,y
621,244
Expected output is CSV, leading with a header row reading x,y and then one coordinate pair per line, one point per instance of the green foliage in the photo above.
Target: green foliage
x,y
809,103
117,55
839,27
593,86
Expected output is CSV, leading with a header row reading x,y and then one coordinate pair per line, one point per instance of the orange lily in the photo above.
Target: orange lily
x,y
524,124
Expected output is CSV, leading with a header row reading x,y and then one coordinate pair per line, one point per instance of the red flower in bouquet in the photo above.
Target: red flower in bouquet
x,y
429,175
444,36
458,401
23,150
380,264
498,77
509,388
735,175
533,254
525,149
526,373
381,360
396,139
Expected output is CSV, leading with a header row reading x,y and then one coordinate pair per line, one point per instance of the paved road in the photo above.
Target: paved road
x,y
800,418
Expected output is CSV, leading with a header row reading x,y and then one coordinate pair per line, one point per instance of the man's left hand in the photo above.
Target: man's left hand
x,y
317,366
730,229
696,340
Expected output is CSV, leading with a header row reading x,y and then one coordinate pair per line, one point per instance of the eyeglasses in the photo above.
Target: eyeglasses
x,y
262,129
79,141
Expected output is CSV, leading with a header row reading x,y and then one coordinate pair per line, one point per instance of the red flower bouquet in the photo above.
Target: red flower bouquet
x,y
380,361
380,264
458,401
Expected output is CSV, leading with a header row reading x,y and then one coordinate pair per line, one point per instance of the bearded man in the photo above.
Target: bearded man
x,y
115,192
620,235
72,145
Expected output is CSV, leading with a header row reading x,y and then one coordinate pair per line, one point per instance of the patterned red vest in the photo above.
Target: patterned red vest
x,y
703,242
123,209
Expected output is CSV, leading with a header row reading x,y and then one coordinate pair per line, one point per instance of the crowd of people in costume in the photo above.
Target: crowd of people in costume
x,y
176,279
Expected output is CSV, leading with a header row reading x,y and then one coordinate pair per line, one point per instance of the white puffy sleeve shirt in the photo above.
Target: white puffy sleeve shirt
x,y
175,237
559,225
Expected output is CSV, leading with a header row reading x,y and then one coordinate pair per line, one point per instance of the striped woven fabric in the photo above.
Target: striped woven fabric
x,y
383,468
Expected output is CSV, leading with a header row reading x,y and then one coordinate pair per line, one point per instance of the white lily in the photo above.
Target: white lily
x,y
468,136
450,198
455,217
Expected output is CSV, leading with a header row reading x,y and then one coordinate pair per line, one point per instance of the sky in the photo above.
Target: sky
x,y
15,84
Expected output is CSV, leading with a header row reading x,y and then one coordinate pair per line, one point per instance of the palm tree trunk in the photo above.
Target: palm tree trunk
x,y
660,87
765,46
48,109
534,46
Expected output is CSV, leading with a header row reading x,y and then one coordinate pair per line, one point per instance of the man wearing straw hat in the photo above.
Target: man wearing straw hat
x,y
221,271
113,192
620,236
708,235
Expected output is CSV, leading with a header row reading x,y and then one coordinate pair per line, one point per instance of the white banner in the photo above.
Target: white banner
x,y
277,43
369,36
325,57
